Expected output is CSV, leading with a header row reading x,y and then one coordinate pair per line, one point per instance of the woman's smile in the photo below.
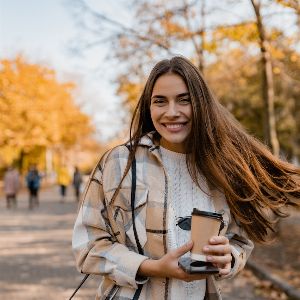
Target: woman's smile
x,y
175,127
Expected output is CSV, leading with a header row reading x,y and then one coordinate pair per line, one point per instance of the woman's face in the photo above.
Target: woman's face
x,y
171,111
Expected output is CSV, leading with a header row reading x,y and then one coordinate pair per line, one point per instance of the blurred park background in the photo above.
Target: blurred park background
x,y
71,72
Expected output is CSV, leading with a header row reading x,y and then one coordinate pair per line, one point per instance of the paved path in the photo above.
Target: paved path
x,y
36,260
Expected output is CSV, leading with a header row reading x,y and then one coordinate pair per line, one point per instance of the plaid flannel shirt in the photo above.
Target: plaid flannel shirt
x,y
103,238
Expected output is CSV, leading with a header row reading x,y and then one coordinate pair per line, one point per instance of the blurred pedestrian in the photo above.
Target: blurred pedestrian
x,y
11,186
63,180
77,181
33,179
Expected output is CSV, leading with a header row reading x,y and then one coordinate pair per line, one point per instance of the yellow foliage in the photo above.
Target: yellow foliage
x,y
242,33
290,3
172,27
211,46
276,53
37,110
294,58
129,90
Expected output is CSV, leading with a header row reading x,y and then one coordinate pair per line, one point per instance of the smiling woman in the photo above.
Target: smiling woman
x,y
185,151
171,111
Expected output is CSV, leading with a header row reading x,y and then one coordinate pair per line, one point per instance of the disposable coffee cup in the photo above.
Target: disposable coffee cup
x,y
204,225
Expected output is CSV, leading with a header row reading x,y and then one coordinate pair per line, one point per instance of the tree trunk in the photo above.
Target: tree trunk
x,y
202,34
267,84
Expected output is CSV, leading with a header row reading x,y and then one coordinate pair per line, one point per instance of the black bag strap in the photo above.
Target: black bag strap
x,y
133,190
79,286
140,249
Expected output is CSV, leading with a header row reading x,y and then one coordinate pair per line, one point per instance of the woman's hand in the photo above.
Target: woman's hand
x,y
218,252
167,266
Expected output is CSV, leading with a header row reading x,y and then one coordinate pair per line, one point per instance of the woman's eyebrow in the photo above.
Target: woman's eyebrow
x,y
183,95
158,96
177,96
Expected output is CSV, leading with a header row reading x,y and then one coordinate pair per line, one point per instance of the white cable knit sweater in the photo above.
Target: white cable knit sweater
x,y
184,195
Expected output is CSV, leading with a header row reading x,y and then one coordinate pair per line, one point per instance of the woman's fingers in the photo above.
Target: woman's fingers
x,y
169,262
219,239
217,249
220,260
218,245
219,253
183,249
226,270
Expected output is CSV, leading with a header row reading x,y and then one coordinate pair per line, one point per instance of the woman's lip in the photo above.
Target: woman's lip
x,y
174,127
174,124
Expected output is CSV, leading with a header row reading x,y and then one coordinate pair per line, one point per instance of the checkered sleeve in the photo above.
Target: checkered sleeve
x,y
241,248
95,244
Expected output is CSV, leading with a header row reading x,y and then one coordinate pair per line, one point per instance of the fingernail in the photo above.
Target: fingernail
x,y
208,258
212,240
205,248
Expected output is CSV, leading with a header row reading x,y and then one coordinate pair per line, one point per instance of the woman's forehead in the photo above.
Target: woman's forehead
x,y
169,84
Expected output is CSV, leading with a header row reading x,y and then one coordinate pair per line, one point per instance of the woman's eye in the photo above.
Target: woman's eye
x,y
159,101
185,100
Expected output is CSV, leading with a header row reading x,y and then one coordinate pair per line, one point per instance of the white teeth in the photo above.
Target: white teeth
x,y
173,126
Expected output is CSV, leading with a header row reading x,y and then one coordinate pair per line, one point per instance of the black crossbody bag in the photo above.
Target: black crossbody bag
x,y
140,249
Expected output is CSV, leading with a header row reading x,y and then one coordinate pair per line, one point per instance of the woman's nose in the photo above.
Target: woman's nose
x,y
172,110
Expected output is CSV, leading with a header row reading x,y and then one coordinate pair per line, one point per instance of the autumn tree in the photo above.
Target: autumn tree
x,y
197,30
37,111
235,79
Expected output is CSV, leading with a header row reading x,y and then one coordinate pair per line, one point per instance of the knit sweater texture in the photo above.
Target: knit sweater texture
x,y
184,195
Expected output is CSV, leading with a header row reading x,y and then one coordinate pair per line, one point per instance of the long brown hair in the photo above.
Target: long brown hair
x,y
254,181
